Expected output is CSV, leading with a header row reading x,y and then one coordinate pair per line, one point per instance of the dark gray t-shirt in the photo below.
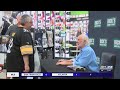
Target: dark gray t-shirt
x,y
12,29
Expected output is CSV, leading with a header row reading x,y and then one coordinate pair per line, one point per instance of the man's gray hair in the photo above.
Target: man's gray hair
x,y
86,39
25,18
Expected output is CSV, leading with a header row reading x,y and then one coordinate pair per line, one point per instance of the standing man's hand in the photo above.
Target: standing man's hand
x,y
26,63
26,68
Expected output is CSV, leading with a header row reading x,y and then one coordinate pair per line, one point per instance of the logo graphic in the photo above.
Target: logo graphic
x,y
98,60
103,42
91,41
13,34
97,23
106,68
117,43
111,22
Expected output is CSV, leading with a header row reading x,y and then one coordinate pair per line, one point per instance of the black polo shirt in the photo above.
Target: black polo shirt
x,y
22,45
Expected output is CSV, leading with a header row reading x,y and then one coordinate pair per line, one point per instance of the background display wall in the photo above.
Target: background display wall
x,y
104,34
64,25
66,28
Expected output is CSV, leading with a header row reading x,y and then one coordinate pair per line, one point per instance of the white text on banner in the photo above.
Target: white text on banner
x,y
31,74
62,74
12,74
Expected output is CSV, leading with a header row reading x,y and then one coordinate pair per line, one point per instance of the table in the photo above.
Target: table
x,y
49,65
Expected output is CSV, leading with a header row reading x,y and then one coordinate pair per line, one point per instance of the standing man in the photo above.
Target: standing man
x,y
12,29
86,58
21,57
11,32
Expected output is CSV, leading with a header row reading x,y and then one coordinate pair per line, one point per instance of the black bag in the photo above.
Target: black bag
x,y
40,49
44,54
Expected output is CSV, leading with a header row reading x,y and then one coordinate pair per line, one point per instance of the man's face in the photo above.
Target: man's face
x,y
80,42
18,19
29,24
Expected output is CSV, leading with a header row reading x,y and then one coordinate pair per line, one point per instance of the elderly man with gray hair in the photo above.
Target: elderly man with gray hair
x,y
86,58
21,57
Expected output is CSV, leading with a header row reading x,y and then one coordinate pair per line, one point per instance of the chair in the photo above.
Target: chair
x,y
108,59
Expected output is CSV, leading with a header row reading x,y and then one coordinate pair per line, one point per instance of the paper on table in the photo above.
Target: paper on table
x,y
76,67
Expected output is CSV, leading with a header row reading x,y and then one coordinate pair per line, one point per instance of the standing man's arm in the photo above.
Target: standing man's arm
x,y
26,63
26,49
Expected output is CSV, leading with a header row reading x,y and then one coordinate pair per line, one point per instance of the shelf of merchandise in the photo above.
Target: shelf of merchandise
x,y
72,23
77,21
72,46
74,51
71,56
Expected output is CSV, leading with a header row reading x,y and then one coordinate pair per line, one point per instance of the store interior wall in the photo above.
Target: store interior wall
x,y
68,32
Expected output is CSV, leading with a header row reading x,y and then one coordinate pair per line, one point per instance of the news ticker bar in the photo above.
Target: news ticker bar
x,y
48,74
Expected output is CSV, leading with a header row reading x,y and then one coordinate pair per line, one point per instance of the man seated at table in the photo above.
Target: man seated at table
x,y
86,58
